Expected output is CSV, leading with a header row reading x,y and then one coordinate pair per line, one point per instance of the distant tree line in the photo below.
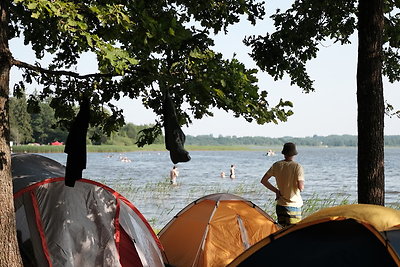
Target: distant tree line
x,y
43,128
331,140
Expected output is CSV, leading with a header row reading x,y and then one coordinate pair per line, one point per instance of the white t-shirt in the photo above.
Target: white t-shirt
x,y
287,174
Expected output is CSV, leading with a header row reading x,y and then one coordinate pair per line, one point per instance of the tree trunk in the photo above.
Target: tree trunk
x,y
371,180
9,253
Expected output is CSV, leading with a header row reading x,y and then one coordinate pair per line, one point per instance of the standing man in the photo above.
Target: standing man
x,y
173,174
289,176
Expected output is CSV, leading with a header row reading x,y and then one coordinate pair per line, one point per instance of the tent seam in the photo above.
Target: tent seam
x,y
40,229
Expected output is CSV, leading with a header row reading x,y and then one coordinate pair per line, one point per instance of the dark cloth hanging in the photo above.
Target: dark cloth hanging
x,y
75,145
174,136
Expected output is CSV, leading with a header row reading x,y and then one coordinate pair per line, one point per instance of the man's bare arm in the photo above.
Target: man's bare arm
x,y
300,185
268,185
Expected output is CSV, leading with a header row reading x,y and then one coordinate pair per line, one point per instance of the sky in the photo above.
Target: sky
x,y
331,109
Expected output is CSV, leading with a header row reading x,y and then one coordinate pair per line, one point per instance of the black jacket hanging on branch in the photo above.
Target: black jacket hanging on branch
x,y
174,136
75,145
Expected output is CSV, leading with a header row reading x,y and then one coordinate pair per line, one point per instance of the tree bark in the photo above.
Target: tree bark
x,y
9,253
371,112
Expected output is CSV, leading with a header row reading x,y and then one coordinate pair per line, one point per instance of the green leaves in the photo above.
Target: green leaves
x,y
299,33
78,24
143,48
219,14
149,135
118,58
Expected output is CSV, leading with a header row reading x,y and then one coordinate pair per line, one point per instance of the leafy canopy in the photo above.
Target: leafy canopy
x,y
144,49
283,52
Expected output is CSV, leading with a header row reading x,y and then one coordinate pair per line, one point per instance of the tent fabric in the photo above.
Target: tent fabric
x,y
130,256
393,238
32,168
87,225
56,143
347,235
382,218
213,230
344,242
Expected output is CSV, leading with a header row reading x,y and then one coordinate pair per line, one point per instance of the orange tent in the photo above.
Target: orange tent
x,y
214,230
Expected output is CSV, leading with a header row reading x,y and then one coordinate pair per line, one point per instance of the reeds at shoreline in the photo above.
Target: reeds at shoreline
x,y
153,199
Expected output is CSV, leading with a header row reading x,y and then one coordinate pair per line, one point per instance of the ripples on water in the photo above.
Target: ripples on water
x,y
330,173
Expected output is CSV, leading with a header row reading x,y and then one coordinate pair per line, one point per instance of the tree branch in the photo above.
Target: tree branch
x,y
21,64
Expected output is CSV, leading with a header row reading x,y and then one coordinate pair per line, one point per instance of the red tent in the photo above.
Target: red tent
x,y
88,225
56,143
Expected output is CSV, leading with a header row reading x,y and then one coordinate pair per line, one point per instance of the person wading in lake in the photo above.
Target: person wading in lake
x,y
289,176
232,174
173,174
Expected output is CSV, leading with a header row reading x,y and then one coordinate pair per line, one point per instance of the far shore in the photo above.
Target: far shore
x,y
154,147
114,148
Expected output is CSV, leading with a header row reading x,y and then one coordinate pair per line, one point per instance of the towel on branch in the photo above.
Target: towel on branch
x,y
75,145
174,136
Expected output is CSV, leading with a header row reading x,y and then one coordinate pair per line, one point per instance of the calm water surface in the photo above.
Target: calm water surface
x,y
330,173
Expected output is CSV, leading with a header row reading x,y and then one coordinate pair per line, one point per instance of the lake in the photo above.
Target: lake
x,y
330,173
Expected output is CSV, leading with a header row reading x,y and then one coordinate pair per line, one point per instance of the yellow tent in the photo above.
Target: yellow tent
x,y
382,218
213,230
348,235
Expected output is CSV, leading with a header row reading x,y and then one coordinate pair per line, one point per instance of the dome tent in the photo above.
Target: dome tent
x,y
385,220
380,217
348,235
213,230
87,225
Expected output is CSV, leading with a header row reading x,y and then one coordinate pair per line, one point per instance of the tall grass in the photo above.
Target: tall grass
x,y
160,202
317,202
37,149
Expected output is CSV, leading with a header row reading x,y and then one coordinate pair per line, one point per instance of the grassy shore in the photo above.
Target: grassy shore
x,y
114,148
154,198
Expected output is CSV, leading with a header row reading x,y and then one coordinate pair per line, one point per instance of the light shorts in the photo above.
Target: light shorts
x,y
288,215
